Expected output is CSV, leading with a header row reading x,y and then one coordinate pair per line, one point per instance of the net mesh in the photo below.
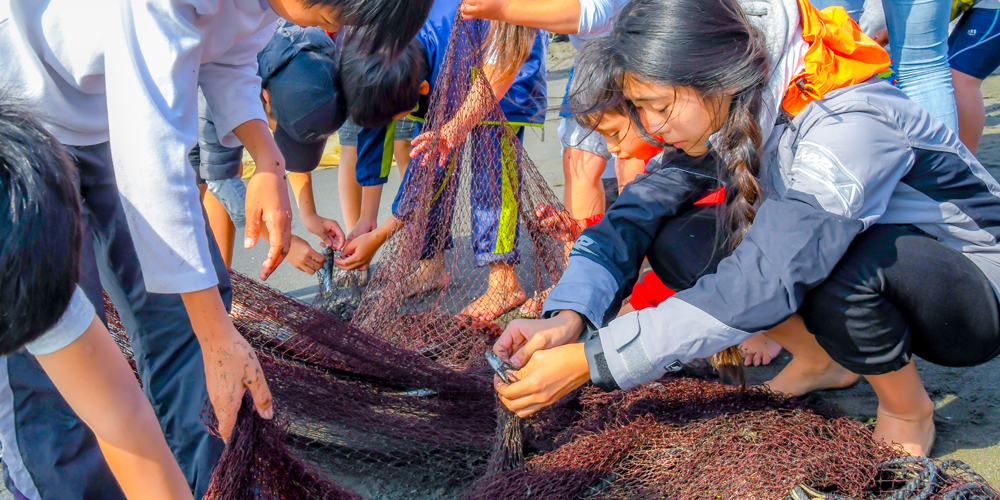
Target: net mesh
x,y
398,402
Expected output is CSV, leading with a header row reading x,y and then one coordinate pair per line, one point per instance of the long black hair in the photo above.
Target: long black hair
x,y
40,230
707,45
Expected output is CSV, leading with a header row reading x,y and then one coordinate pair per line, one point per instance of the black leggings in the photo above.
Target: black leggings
x,y
895,293
898,292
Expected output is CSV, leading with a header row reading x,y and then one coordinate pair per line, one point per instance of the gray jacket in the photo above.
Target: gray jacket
x,y
863,155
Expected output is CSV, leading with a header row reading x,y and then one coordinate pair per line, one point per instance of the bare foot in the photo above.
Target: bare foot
x,y
759,350
431,275
533,306
503,293
803,376
914,432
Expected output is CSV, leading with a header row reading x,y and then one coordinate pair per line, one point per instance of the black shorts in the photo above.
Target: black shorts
x,y
895,293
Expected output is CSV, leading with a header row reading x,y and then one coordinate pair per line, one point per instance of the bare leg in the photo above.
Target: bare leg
x,y
971,114
222,226
584,191
347,185
811,368
431,275
503,293
401,151
905,411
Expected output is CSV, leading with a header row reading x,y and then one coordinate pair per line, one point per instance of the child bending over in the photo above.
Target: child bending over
x,y
46,312
495,223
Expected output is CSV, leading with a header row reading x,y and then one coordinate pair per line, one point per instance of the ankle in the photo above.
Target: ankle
x,y
917,411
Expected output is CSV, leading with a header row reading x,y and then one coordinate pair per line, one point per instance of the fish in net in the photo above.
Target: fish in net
x,y
388,395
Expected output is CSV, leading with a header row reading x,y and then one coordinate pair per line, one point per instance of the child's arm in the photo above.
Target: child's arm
x,y
327,229
359,252
485,90
371,198
267,198
557,16
152,77
93,377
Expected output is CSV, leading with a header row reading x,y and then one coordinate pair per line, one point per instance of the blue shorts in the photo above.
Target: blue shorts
x,y
974,46
348,133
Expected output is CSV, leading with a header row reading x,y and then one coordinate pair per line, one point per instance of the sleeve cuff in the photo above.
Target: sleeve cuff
x,y
600,374
71,326
586,288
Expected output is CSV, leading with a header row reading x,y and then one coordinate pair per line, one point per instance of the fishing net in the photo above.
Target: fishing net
x,y
385,394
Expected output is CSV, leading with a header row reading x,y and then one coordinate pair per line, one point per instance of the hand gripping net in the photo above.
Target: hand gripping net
x,y
400,404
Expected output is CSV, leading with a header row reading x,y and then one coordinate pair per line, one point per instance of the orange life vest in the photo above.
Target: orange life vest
x,y
839,55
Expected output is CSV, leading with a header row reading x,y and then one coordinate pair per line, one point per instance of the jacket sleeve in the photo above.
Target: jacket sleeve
x,y
839,182
604,263
232,86
152,80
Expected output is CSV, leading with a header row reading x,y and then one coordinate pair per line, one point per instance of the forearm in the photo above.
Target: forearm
x,y
93,377
557,16
371,198
259,142
301,183
208,315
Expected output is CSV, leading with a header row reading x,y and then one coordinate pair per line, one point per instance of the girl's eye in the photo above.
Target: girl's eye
x,y
663,111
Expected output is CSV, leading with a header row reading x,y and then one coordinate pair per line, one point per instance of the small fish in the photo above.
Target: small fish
x,y
499,366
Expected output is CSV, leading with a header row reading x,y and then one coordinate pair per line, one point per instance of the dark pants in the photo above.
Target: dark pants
x,y
49,453
895,293
898,292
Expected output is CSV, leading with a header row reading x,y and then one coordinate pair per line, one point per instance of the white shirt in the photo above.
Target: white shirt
x,y
128,72
72,324
596,20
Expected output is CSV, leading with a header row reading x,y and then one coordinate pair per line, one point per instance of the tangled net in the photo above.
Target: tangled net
x,y
399,402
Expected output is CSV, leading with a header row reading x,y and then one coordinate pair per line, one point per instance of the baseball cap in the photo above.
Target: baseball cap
x,y
299,69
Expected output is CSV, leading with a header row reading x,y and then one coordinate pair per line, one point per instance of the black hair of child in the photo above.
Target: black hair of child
x,y
40,229
377,88
596,87
391,24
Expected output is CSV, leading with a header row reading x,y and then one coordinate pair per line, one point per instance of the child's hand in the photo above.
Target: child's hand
x,y
267,202
304,258
555,222
550,375
359,252
494,10
231,368
328,230
441,142
362,228
523,337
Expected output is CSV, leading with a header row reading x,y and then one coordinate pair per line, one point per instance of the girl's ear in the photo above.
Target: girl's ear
x,y
266,96
425,88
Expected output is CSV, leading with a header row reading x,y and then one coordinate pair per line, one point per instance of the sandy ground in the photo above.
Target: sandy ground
x,y
968,401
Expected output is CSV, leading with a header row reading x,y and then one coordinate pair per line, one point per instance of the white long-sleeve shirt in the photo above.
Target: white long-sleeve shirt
x,y
596,19
128,71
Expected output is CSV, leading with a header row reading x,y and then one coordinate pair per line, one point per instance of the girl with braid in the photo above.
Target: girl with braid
x,y
862,231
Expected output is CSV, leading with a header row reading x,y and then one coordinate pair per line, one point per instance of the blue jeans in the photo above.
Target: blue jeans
x,y
918,41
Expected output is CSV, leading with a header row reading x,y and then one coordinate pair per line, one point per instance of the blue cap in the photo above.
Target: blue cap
x,y
298,68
